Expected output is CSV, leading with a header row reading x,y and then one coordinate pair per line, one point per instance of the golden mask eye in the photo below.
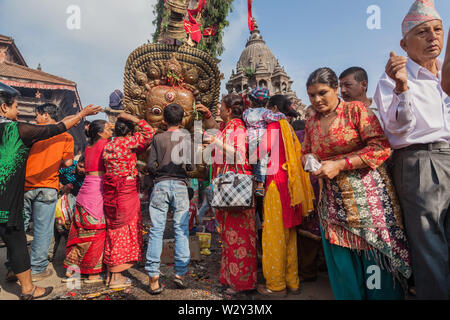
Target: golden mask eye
x,y
157,111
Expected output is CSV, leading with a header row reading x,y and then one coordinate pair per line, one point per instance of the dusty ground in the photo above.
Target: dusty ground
x,y
202,281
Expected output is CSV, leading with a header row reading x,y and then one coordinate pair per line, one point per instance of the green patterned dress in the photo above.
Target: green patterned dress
x,y
16,139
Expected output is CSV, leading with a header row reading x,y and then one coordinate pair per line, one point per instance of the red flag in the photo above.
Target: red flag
x,y
200,7
209,31
193,28
251,26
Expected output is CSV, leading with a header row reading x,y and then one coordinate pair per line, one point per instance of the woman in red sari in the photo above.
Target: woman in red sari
x,y
86,242
238,229
124,245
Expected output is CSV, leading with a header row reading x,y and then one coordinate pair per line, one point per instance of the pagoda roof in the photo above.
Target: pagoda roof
x,y
10,43
27,75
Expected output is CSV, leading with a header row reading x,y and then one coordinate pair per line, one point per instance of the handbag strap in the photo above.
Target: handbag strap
x,y
235,165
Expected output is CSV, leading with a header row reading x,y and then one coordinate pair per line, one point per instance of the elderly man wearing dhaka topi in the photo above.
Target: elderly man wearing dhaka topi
x,y
415,111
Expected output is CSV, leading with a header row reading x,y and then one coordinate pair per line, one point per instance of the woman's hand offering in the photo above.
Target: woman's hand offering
x,y
203,110
128,117
329,169
90,110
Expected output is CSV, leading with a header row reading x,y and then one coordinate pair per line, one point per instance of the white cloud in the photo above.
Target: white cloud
x,y
104,23
93,56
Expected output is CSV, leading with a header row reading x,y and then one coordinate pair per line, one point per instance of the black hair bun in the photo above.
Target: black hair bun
x,y
123,127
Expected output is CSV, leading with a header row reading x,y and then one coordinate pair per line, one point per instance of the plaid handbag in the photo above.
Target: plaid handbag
x,y
232,191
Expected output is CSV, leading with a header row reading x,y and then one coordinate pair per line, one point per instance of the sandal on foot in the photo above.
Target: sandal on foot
x,y
108,278
156,291
262,290
72,277
230,292
100,279
41,275
30,296
125,284
179,283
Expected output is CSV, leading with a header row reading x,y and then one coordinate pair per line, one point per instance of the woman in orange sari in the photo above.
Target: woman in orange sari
x,y
238,228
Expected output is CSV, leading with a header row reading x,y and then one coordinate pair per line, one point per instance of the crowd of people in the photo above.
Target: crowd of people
x,y
365,180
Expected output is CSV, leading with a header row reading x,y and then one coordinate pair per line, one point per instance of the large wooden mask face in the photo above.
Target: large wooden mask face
x,y
157,75
157,98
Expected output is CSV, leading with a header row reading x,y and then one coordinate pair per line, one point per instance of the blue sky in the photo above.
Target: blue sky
x,y
304,35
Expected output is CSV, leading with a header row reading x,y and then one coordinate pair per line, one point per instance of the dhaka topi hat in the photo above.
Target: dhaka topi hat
x,y
420,12
260,94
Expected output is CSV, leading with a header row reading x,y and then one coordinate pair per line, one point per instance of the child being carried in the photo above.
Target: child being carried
x,y
256,119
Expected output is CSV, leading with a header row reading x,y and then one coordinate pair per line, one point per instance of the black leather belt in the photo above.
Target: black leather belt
x,y
427,146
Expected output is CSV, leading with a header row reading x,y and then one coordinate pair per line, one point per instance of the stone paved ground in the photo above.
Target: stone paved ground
x,y
202,281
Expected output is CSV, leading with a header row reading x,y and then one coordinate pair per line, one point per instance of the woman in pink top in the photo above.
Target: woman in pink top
x,y
86,242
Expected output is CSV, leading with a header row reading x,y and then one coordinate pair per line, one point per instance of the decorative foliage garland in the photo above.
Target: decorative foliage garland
x,y
213,16
161,19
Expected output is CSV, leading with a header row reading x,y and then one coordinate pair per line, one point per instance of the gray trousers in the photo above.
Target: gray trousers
x,y
422,181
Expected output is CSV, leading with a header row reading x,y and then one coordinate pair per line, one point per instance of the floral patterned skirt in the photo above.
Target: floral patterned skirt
x,y
84,252
239,261
124,244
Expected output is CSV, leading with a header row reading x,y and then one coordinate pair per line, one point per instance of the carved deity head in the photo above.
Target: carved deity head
x,y
157,98
157,75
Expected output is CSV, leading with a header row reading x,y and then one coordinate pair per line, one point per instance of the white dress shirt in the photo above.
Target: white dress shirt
x,y
419,115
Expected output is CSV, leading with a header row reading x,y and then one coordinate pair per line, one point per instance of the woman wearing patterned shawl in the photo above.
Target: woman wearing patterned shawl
x,y
288,197
16,140
359,211
238,228
124,244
